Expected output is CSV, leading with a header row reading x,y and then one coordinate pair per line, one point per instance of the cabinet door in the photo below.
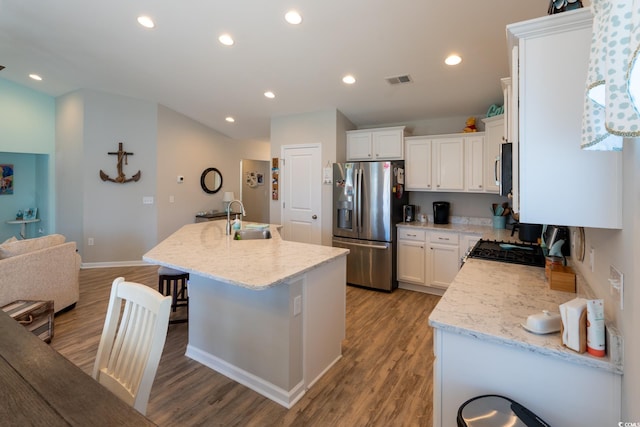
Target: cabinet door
x,y
359,146
467,242
448,160
444,263
474,163
411,262
388,144
417,167
493,131
553,67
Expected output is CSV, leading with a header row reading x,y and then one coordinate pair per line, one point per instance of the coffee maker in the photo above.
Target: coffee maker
x,y
441,212
409,213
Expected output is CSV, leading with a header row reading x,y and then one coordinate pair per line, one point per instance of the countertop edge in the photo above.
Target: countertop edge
x,y
252,286
603,364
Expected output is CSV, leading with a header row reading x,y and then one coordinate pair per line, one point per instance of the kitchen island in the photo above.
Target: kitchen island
x,y
269,313
481,348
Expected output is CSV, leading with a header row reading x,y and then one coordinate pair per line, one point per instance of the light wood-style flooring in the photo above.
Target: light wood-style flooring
x,y
383,379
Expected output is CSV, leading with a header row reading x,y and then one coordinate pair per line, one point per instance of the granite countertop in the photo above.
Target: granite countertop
x,y
486,232
490,300
204,249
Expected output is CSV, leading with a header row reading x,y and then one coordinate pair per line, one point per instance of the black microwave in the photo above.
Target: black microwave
x,y
506,169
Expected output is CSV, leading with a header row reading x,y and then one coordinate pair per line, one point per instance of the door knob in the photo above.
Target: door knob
x,y
314,217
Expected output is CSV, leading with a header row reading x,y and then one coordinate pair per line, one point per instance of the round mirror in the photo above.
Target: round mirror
x,y
211,180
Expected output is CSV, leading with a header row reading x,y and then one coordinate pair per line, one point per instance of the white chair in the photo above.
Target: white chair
x,y
131,344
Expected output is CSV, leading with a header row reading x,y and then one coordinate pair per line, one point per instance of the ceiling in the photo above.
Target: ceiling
x,y
79,44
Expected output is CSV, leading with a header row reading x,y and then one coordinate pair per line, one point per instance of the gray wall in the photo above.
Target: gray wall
x,y
620,248
326,128
187,148
165,144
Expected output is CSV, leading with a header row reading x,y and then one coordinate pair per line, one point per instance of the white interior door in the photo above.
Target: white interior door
x,y
302,193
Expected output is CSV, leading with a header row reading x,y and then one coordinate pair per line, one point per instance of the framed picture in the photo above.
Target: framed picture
x,y
6,179
30,213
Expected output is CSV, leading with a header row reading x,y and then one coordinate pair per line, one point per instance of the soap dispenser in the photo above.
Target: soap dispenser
x,y
236,223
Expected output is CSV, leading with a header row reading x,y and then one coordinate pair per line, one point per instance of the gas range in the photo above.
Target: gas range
x,y
515,253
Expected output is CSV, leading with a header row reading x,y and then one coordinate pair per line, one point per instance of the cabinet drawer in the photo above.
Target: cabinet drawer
x,y
444,238
411,234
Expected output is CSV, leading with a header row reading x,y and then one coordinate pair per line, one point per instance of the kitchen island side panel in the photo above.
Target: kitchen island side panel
x,y
254,331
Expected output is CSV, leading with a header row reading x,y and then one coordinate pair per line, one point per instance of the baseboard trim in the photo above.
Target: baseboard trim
x,y
139,263
420,288
257,384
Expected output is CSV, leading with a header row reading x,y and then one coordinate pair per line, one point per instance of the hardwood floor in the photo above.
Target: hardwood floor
x,y
383,379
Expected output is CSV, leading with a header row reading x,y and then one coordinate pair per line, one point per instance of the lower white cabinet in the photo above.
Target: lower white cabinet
x,y
411,261
428,261
560,392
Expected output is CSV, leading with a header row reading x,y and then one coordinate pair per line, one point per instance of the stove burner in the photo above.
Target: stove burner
x,y
515,253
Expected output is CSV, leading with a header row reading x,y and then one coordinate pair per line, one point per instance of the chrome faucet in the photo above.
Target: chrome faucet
x,y
229,214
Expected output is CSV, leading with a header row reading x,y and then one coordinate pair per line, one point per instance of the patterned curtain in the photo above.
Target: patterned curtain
x,y
612,101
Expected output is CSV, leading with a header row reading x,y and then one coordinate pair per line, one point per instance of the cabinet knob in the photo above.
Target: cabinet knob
x,y
438,185
314,217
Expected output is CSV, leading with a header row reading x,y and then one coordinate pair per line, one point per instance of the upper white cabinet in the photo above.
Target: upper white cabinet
x,y
474,161
453,162
417,166
558,182
493,138
376,144
448,163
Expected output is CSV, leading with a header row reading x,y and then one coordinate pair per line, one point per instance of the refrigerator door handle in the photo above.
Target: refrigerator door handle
x,y
361,245
358,199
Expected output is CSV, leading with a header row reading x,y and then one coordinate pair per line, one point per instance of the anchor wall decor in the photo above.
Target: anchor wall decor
x,y
121,178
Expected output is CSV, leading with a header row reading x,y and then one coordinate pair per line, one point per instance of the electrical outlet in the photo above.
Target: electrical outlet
x,y
90,241
147,200
616,281
297,305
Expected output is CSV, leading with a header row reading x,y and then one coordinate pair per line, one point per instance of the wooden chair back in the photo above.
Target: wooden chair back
x,y
132,341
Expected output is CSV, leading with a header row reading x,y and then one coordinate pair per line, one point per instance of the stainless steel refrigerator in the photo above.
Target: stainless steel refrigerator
x,y
367,204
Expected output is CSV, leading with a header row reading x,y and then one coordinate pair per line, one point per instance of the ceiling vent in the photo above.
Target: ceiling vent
x,y
397,80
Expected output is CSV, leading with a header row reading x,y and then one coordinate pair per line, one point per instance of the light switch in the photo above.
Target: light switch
x,y
297,305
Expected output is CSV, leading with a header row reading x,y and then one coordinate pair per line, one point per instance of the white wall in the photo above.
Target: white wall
x,y
620,248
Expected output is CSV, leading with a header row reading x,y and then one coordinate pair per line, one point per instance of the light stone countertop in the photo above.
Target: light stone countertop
x,y
490,300
204,249
486,232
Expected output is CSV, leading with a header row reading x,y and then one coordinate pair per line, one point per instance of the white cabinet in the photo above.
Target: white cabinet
x,y
453,162
467,241
494,128
428,260
443,258
558,182
376,144
448,163
560,392
411,256
474,164
418,166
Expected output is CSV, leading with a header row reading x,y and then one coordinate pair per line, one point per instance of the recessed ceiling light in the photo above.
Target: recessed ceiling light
x,y
35,77
230,119
146,22
349,79
269,94
226,39
453,60
293,17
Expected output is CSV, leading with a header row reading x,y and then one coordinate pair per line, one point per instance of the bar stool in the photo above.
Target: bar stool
x,y
174,282
492,410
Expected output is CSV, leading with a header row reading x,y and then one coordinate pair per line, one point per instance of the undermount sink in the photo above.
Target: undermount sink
x,y
251,234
